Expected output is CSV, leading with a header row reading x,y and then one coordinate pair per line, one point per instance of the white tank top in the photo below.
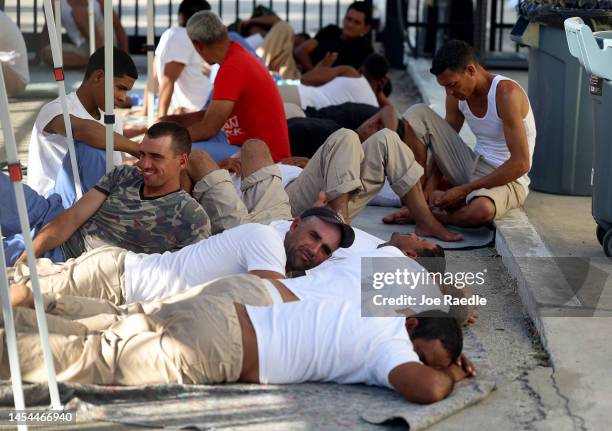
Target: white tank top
x,y
489,130
336,92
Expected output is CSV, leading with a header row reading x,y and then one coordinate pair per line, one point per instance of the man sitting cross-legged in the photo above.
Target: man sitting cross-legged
x,y
492,179
120,276
205,339
348,172
142,209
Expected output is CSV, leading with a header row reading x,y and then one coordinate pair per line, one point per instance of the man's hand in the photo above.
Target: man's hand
x,y
22,259
466,365
300,162
232,164
452,197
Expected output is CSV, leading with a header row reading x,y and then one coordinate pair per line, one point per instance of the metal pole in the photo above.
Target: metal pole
x,y
480,27
92,28
109,117
59,77
15,175
150,52
58,26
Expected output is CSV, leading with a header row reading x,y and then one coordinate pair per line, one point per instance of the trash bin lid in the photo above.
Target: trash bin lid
x,y
593,50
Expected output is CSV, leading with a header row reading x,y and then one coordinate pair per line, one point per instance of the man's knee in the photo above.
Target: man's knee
x,y
386,141
200,164
342,140
482,210
416,112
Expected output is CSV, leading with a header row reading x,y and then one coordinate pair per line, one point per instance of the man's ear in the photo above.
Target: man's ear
x,y
184,160
411,324
410,253
294,224
98,75
470,69
366,30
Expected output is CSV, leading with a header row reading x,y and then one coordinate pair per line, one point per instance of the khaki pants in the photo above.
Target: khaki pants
x,y
193,337
458,162
263,198
95,274
344,165
277,51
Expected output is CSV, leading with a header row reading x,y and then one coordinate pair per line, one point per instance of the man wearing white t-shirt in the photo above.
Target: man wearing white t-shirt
x,y
123,277
48,143
182,83
205,340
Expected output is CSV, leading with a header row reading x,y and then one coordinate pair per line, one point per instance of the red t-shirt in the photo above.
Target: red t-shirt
x,y
259,112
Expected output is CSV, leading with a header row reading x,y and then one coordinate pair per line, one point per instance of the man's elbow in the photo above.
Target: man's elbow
x,y
523,167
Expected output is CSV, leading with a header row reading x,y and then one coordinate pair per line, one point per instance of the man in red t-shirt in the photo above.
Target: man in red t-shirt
x,y
246,101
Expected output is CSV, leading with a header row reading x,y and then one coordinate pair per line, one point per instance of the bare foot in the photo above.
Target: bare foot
x,y
20,295
437,230
401,216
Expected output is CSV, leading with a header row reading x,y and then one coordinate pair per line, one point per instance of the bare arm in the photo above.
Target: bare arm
x,y
322,75
384,118
422,384
215,117
122,38
92,133
302,54
64,225
454,117
172,71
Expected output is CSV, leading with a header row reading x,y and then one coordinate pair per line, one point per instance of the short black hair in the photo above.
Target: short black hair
x,y
375,66
363,7
189,7
122,63
181,140
438,325
453,55
433,260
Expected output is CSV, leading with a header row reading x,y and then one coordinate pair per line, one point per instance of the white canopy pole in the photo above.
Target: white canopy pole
x,y
150,54
109,104
59,77
9,329
15,175
92,26
58,26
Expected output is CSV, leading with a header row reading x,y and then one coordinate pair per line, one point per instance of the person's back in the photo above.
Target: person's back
x,y
328,341
259,111
336,92
192,87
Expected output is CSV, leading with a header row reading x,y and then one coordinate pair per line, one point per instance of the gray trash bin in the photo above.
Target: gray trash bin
x,y
594,50
559,97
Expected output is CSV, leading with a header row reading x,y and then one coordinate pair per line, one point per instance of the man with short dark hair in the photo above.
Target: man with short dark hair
x,y
121,277
48,143
202,338
350,42
139,208
491,179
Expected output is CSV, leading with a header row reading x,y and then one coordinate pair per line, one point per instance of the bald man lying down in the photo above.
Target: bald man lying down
x,y
199,338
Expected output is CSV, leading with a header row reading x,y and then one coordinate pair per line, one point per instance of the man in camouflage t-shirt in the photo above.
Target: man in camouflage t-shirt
x,y
142,210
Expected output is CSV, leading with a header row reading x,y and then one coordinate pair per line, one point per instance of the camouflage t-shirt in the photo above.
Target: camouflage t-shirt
x,y
129,220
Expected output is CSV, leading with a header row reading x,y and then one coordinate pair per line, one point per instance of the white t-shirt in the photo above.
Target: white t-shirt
x,y
71,26
47,150
339,278
13,48
245,248
328,341
192,88
336,92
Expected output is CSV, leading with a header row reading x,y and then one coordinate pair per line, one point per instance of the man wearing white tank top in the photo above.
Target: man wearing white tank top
x,y
491,179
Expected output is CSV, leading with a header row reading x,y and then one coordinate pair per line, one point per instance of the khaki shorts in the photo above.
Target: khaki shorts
x,y
506,197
